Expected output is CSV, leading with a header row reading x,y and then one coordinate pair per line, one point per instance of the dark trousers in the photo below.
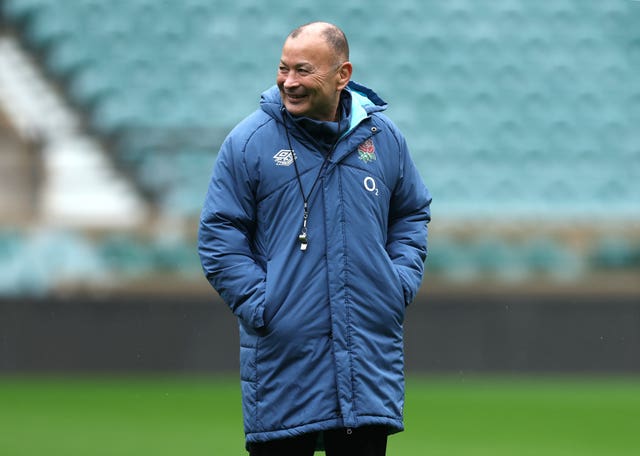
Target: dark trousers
x,y
364,441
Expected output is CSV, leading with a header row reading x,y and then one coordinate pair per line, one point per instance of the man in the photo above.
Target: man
x,y
314,233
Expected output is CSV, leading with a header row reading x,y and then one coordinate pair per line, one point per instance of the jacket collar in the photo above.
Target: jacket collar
x,y
324,134
363,102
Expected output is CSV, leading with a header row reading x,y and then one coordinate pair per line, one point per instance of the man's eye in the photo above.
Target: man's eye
x,y
282,69
303,71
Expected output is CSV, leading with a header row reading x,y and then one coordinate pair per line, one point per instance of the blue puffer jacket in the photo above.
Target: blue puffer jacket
x,y
320,330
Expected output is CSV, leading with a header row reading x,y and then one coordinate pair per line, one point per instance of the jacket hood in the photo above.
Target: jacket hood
x,y
364,102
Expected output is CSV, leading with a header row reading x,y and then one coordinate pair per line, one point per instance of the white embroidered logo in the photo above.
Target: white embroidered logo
x,y
370,185
284,157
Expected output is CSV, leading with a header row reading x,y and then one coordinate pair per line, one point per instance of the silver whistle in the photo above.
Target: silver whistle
x,y
303,241
302,237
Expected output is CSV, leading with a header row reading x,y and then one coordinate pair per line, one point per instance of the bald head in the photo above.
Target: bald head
x,y
331,34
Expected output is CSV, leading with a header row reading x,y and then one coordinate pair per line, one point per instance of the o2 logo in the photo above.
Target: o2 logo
x,y
370,185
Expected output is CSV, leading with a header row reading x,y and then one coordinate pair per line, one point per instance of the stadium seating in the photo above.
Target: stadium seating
x,y
513,109
34,263
510,92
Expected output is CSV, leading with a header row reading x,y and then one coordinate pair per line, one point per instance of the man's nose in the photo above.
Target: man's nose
x,y
291,80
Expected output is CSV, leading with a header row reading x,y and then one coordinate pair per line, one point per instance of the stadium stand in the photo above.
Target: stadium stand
x,y
516,112
18,176
79,184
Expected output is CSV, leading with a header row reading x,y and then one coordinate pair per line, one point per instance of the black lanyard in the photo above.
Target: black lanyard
x,y
302,237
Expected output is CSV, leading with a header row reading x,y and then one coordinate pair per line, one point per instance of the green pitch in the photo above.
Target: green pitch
x,y
445,416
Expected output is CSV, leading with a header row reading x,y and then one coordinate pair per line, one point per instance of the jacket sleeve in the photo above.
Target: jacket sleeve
x,y
409,215
225,236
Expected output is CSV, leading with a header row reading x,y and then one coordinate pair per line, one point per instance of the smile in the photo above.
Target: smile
x,y
294,97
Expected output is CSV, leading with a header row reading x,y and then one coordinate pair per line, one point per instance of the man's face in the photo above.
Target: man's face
x,y
309,78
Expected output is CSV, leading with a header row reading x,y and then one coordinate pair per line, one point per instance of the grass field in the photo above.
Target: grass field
x,y
445,416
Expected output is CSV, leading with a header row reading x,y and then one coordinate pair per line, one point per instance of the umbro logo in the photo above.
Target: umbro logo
x,y
284,157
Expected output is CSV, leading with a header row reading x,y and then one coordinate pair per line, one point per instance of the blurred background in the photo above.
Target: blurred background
x,y
522,116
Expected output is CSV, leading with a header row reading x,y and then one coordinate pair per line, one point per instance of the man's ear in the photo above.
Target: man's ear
x,y
344,75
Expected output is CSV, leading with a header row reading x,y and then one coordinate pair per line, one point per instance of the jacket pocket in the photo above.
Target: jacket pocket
x,y
397,301
403,302
271,302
